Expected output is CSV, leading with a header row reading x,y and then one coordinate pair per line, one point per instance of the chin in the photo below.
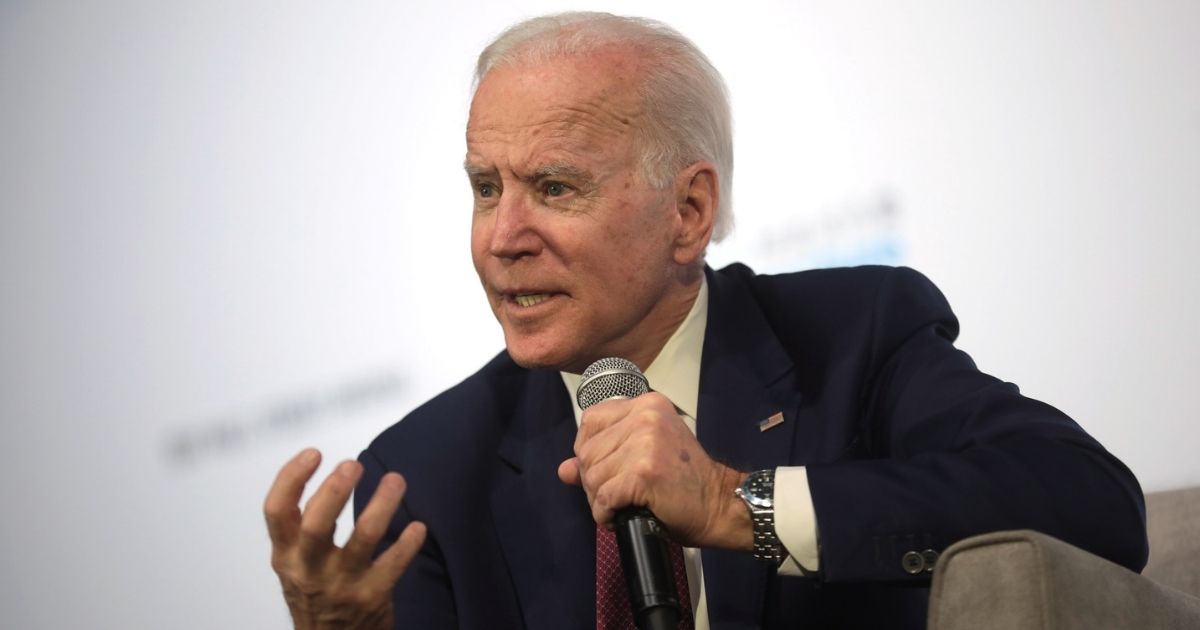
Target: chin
x,y
530,355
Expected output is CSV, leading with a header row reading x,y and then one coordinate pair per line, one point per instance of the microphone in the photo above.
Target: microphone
x,y
641,538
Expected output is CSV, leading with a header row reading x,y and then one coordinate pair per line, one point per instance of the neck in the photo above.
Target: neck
x,y
673,309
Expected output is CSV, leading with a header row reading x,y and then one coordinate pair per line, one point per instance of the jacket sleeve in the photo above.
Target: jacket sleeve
x,y
423,597
952,452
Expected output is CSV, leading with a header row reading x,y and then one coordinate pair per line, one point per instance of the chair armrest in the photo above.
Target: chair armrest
x,y
1027,580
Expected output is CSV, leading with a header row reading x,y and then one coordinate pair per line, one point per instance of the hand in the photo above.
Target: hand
x,y
328,587
640,453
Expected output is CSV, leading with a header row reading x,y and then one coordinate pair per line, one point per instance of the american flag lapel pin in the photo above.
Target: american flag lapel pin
x,y
775,420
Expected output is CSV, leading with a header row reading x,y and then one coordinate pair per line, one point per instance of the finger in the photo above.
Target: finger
x,y
593,477
392,563
599,417
609,454
373,522
281,507
321,512
568,472
603,431
618,440
620,484
609,498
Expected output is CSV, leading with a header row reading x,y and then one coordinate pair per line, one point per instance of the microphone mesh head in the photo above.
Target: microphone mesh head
x,y
610,378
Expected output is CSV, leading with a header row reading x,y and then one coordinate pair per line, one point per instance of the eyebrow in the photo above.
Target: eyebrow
x,y
552,170
475,170
560,169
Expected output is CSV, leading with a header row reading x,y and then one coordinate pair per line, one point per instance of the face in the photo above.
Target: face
x,y
577,254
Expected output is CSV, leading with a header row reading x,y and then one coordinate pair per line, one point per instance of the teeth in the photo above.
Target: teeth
x,y
530,300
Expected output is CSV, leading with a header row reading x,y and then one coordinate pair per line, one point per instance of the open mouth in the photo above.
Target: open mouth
x,y
529,299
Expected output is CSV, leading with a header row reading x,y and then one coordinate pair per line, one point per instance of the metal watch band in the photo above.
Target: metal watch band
x,y
758,492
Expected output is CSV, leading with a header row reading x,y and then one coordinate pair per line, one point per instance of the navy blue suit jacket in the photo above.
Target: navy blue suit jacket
x,y
908,447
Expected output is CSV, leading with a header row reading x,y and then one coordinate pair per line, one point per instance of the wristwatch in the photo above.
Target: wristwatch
x,y
758,492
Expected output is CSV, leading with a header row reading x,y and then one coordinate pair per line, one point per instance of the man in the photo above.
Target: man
x,y
599,153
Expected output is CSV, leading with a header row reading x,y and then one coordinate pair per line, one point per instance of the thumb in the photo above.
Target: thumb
x,y
568,471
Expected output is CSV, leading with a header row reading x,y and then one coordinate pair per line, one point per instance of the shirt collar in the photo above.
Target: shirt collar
x,y
675,372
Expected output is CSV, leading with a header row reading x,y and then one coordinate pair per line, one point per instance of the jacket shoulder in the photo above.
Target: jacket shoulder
x,y
472,413
837,286
838,298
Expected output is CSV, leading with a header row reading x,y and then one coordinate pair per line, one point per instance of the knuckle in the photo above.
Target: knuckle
x,y
363,598
648,419
272,510
656,399
369,531
646,470
592,478
600,498
589,422
338,485
647,445
315,530
309,587
607,497
280,565
584,454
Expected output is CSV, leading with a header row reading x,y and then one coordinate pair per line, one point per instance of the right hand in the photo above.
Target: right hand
x,y
326,586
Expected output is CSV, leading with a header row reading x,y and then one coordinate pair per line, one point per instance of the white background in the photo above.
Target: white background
x,y
232,229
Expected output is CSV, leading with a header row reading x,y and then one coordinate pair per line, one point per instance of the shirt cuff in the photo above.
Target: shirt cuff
x,y
796,521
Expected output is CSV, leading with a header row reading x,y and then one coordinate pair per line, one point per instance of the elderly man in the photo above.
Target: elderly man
x,y
599,155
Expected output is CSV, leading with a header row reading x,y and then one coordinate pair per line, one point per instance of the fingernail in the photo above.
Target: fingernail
x,y
309,455
346,469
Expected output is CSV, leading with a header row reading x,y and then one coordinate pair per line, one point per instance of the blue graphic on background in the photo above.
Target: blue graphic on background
x,y
888,250
860,232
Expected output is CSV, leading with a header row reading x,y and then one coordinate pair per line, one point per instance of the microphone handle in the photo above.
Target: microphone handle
x,y
646,560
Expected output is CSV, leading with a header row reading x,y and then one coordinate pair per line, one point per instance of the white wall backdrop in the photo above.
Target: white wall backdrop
x,y
231,229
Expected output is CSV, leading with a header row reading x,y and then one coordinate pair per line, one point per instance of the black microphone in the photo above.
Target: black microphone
x,y
641,538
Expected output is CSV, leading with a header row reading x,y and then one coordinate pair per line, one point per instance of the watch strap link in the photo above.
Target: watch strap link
x,y
758,493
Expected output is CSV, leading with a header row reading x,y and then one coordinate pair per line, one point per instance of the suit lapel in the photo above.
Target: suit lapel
x,y
544,526
744,379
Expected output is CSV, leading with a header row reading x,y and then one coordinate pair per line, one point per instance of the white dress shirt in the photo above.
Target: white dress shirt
x,y
675,373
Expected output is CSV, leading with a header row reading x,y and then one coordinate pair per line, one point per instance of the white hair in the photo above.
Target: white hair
x,y
687,106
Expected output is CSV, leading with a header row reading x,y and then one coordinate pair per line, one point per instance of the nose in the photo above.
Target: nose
x,y
514,231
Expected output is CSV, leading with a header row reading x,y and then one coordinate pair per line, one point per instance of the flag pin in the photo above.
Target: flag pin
x,y
775,420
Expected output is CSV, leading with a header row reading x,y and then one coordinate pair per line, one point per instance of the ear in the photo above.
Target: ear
x,y
697,194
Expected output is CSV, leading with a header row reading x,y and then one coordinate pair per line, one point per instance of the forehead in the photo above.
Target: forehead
x,y
582,104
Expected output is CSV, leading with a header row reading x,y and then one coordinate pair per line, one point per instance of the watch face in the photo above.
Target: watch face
x,y
747,492
762,502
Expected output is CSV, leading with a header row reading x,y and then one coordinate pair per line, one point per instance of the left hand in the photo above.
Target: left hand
x,y
638,452
326,586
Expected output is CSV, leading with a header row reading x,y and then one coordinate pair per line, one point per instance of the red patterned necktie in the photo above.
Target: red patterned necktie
x,y
613,610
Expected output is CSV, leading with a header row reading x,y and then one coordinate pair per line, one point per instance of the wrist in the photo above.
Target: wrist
x,y
732,527
757,494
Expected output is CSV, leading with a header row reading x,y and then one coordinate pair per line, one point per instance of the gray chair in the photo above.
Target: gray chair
x,y
1029,581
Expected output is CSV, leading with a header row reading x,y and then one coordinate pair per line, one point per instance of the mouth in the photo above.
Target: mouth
x,y
526,300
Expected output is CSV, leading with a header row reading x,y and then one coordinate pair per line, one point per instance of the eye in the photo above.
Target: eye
x,y
555,189
486,190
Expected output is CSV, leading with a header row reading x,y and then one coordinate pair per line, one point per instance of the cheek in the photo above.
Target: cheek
x,y
643,240
480,237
